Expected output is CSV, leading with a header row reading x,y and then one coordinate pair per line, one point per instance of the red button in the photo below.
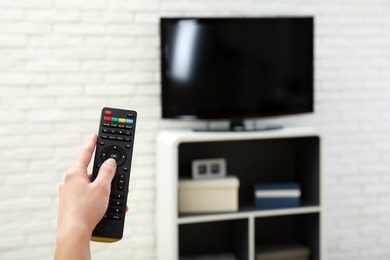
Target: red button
x,y
107,118
108,112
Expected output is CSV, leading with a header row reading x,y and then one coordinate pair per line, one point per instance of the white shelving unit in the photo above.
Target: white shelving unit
x,y
266,156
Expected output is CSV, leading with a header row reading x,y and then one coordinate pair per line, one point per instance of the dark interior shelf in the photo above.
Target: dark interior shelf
x,y
261,161
215,237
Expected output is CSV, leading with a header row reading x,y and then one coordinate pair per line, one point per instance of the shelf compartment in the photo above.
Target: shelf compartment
x,y
261,161
301,228
215,237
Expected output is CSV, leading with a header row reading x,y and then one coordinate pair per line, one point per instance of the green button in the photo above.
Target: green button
x,y
114,119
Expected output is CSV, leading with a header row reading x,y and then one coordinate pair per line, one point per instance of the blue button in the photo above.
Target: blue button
x,y
129,121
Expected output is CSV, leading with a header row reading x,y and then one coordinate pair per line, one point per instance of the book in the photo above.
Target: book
x,y
277,195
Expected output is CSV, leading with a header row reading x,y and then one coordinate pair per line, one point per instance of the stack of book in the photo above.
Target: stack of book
x,y
277,195
283,251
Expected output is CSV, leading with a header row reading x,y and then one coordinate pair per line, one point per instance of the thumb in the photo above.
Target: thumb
x,y
106,173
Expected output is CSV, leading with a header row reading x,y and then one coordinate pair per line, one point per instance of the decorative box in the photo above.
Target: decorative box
x,y
209,168
208,195
277,195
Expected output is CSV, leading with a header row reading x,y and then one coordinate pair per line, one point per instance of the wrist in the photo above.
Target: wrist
x,y
75,229
73,241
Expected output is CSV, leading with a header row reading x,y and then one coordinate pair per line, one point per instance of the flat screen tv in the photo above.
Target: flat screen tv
x,y
236,68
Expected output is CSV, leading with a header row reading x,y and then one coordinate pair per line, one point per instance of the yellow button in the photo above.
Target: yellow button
x,y
122,120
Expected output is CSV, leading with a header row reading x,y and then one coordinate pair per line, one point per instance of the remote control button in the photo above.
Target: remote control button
x,y
105,130
114,210
116,203
121,126
129,127
125,169
122,160
121,132
129,121
128,139
119,138
112,137
102,143
115,154
130,115
122,120
104,136
128,146
113,131
113,125
114,119
107,118
108,112
117,196
106,124
115,217
121,182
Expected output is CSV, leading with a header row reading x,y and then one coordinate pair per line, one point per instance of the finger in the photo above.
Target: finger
x,y
85,155
106,173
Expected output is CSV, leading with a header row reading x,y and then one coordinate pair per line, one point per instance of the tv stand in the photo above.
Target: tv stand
x,y
238,125
287,155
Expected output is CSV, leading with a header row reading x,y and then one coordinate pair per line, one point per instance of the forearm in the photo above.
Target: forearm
x,y
73,242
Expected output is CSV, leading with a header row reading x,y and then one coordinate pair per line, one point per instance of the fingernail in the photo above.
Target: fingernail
x,y
110,162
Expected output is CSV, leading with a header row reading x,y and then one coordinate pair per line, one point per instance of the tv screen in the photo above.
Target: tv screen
x,y
235,68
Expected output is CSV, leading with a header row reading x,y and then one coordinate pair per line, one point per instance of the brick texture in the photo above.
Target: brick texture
x,y
62,61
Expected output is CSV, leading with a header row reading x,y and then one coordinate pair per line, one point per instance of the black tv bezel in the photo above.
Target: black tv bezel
x,y
233,118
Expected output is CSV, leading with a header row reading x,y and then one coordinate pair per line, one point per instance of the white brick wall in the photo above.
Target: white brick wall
x,y
62,61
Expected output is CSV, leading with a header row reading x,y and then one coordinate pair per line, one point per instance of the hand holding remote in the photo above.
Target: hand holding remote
x,y
82,204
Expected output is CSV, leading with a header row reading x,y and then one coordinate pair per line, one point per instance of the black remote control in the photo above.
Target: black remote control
x,y
115,140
